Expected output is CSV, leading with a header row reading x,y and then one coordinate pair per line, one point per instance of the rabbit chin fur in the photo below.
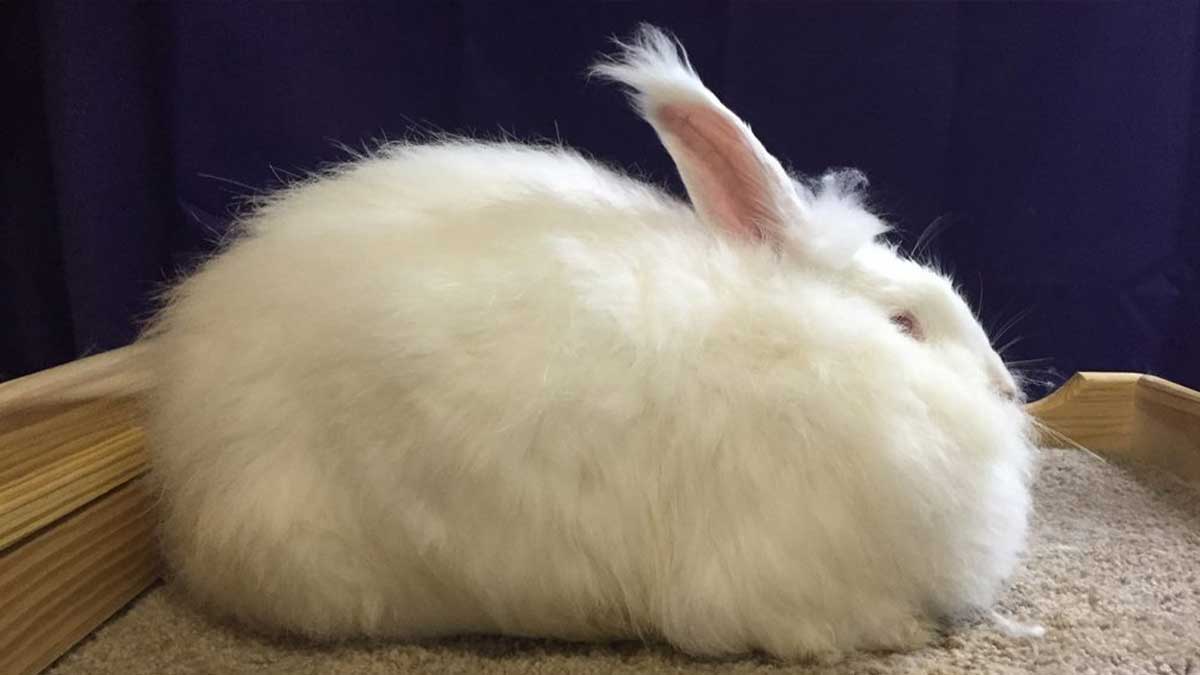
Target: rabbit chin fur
x,y
465,388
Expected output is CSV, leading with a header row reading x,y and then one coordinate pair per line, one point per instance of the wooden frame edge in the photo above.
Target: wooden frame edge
x,y
1127,416
76,518
58,586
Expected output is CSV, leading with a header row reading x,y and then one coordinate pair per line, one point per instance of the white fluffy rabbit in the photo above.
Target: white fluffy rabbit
x,y
493,388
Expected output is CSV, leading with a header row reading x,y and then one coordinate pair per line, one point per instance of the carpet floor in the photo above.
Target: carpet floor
x,y
1113,573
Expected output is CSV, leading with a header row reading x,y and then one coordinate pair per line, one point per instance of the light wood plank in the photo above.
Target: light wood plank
x,y
76,530
118,372
1094,410
1140,418
56,587
1167,428
29,449
67,436
94,467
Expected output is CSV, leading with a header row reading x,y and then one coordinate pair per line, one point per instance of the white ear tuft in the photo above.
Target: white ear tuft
x,y
836,222
655,67
735,185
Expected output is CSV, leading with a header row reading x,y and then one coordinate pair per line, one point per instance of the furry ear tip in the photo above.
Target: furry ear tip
x,y
648,56
649,42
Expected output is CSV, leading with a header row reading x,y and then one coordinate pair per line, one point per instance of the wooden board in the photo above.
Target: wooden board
x,y
67,436
1136,417
1166,429
76,523
57,587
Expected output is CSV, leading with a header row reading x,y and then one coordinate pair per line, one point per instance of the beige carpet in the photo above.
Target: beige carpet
x,y
1113,574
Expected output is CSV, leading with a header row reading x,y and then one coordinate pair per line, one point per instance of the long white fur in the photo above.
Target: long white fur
x,y
472,387
824,219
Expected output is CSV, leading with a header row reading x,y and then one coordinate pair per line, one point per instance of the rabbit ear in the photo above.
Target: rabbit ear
x,y
733,182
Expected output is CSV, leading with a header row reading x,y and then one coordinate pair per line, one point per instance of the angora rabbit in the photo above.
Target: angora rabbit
x,y
467,387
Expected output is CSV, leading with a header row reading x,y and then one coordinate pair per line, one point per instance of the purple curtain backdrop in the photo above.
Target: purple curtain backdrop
x,y
1054,140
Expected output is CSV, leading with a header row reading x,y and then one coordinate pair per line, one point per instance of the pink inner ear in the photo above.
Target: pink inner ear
x,y
726,180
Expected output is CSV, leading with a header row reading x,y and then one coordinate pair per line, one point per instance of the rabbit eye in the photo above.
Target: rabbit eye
x,y
907,323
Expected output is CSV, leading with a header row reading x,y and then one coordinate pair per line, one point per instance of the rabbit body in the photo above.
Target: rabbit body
x,y
494,388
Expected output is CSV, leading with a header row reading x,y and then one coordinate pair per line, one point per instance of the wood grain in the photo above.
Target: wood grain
x,y
55,588
67,436
117,372
1094,410
1129,416
1166,430
76,530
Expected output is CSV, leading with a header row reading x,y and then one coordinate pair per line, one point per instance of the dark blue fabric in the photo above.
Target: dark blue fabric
x,y
1054,140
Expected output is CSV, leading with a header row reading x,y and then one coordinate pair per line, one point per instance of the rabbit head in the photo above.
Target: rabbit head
x,y
738,188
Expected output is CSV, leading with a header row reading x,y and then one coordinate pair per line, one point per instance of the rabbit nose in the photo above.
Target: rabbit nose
x,y
1007,391
1002,381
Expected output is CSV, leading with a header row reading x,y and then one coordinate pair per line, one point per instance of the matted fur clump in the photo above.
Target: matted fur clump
x,y
492,388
